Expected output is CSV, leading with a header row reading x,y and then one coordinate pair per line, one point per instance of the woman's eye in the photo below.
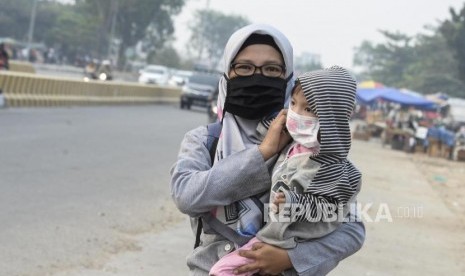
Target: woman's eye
x,y
244,67
271,69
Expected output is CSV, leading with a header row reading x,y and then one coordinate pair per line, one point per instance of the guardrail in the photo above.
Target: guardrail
x,y
23,89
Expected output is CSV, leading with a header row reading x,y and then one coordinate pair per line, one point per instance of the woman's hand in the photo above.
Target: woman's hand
x,y
276,137
269,259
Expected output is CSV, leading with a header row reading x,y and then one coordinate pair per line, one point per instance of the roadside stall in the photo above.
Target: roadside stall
x,y
395,114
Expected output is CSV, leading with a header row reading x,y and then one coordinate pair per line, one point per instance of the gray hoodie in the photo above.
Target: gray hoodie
x,y
319,187
198,187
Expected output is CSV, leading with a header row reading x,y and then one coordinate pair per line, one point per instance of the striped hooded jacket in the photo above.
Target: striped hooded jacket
x,y
318,188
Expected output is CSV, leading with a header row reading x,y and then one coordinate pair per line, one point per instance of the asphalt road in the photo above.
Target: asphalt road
x,y
85,192
77,183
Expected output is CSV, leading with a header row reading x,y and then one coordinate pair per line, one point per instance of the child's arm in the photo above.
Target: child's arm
x,y
321,199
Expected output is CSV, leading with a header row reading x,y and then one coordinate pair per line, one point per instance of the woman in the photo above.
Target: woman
x,y
258,69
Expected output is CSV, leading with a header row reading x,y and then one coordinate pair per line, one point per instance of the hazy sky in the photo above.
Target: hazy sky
x,y
331,28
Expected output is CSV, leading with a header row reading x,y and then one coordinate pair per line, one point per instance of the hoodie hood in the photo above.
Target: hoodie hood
x,y
331,95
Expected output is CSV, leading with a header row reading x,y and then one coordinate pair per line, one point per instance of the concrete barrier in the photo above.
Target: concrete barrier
x,y
21,66
23,89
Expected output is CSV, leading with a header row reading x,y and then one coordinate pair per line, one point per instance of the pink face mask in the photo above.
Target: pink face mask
x,y
303,129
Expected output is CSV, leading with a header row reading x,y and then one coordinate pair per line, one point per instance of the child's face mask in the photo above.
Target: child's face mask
x,y
303,129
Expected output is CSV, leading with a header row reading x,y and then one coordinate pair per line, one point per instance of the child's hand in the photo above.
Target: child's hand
x,y
278,200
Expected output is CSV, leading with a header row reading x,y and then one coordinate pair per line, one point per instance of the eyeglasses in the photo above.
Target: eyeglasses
x,y
267,70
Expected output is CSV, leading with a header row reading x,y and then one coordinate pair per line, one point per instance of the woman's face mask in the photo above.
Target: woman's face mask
x,y
254,97
303,129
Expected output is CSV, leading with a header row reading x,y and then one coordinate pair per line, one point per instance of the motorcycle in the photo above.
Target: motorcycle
x,y
101,72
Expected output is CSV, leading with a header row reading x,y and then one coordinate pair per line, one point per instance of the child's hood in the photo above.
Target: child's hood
x,y
331,95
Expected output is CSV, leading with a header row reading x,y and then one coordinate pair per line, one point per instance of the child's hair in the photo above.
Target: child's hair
x,y
296,84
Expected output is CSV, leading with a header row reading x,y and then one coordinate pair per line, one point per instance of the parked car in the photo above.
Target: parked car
x,y
155,74
198,89
180,77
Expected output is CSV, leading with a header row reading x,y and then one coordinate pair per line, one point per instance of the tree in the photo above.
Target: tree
x,y
136,20
435,69
423,63
453,31
167,56
210,32
74,32
56,24
14,18
386,62
86,25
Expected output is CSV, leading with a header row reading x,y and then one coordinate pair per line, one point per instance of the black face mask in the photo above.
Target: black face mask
x,y
254,97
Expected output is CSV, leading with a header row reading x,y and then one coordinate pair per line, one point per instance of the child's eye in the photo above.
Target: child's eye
x,y
292,103
307,109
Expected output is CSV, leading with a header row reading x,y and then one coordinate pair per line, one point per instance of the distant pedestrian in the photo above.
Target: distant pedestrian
x,y
4,57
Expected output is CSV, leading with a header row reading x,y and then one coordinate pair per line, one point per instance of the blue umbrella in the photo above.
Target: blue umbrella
x,y
369,95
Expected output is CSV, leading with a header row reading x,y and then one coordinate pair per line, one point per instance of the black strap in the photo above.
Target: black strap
x,y
214,131
199,231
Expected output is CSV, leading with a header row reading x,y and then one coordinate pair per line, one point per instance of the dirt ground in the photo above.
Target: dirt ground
x,y
425,196
447,178
415,222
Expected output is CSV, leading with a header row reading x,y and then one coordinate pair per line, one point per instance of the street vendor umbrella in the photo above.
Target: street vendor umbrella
x,y
369,95
439,98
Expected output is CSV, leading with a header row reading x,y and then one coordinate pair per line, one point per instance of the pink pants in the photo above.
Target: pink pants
x,y
226,265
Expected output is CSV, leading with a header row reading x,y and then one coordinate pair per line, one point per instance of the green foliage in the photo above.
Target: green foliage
x,y
435,69
166,56
424,63
453,31
14,18
387,62
85,27
74,32
210,32
136,20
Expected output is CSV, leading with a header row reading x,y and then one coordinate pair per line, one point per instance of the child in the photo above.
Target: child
x,y
313,183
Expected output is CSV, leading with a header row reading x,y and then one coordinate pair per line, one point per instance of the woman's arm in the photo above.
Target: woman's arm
x,y
316,257
197,187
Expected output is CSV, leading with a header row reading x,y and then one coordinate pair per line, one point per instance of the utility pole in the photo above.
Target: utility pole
x,y
32,23
114,8
204,23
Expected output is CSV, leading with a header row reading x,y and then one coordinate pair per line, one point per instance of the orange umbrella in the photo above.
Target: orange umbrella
x,y
370,84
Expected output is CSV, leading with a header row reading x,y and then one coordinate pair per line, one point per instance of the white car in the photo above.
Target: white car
x,y
155,74
180,77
